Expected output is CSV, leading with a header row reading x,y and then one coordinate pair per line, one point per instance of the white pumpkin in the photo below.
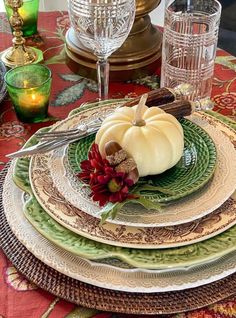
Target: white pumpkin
x,y
152,137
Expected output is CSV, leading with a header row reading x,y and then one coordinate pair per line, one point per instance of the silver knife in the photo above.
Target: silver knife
x,y
84,130
50,145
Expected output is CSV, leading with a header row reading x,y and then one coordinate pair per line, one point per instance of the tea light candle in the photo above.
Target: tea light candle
x,y
29,89
31,101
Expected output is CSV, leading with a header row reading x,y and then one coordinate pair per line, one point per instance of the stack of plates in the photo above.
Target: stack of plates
x,y
190,243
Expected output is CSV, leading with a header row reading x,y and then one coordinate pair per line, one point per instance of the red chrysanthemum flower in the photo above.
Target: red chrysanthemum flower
x,y
107,185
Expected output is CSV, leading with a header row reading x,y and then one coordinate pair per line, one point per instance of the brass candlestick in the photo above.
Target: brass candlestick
x,y
19,54
139,55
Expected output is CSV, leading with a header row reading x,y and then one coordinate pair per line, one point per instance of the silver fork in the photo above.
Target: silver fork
x,y
71,133
51,144
55,139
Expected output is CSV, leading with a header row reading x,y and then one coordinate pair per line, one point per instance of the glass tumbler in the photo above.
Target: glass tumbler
x,y
29,88
189,44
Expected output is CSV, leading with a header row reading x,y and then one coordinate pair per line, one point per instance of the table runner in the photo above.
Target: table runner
x,y
18,297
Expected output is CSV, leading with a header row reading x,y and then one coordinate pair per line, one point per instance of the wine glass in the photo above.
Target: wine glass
x,y
103,26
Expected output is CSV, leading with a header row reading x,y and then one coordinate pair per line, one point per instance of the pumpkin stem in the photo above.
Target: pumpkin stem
x,y
138,121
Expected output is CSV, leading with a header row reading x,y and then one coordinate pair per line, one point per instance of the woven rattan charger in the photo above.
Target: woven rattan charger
x,y
103,299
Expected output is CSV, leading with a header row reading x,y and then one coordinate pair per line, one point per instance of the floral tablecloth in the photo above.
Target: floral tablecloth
x,y
18,297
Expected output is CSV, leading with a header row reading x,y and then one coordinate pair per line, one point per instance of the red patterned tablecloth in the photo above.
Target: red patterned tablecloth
x,y
18,297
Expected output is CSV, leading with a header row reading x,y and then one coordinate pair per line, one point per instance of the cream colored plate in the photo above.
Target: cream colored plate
x,y
186,210
103,275
120,235
158,259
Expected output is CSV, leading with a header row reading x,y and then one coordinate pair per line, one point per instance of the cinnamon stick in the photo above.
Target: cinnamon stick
x,y
155,98
179,108
164,99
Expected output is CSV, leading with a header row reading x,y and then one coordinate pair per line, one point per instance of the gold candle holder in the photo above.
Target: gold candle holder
x,y
19,54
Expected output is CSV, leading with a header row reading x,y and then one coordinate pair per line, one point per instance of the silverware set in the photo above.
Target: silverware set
x,y
54,139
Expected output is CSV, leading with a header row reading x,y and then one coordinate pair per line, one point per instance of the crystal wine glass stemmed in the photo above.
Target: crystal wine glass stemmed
x,y
103,26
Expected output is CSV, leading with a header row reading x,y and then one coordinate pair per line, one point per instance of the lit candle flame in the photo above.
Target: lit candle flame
x,y
32,100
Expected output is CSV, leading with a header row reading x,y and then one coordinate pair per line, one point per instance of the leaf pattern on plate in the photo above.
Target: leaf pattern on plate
x,y
54,196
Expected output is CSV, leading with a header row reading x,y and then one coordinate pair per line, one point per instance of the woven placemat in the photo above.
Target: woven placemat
x,y
103,299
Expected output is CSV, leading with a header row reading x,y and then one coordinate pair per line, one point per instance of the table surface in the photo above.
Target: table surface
x,y
18,297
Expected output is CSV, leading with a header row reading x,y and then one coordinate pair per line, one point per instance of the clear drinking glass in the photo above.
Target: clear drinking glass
x,y
189,44
103,26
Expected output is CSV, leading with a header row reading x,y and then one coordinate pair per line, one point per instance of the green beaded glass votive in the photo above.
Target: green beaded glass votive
x,y
29,89
29,14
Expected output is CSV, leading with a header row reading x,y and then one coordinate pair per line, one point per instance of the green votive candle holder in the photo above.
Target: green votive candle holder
x,y
29,89
29,14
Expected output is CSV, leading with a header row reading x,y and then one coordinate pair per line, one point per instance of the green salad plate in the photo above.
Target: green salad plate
x,y
192,172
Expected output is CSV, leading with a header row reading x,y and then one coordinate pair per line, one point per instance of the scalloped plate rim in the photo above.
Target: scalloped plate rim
x,y
169,223
39,253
